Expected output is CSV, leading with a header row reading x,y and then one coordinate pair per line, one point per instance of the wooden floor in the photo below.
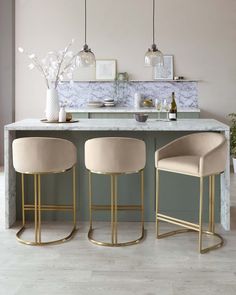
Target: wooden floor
x,y
154,267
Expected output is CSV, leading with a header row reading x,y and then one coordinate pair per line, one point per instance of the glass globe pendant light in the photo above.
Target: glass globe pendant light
x,y
153,56
86,57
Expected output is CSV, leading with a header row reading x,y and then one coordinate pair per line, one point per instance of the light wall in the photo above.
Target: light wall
x,y
7,105
199,33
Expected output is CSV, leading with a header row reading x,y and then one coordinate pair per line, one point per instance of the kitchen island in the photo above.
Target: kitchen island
x,y
180,193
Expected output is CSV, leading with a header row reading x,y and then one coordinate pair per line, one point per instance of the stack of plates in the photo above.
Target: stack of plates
x,y
95,104
109,102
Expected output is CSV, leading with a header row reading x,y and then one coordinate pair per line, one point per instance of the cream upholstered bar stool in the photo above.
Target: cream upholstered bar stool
x,y
200,155
114,156
38,156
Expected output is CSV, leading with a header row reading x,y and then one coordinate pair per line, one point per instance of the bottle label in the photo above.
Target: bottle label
x,y
172,116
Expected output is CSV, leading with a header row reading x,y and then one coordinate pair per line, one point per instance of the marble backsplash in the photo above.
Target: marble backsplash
x,y
77,94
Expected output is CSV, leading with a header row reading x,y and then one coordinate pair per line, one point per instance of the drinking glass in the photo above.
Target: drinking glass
x,y
166,106
158,105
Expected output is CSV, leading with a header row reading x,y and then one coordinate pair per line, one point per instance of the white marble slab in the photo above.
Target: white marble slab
x,y
111,125
127,110
122,125
78,94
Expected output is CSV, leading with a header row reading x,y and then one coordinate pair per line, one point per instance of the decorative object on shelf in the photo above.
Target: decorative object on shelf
x,y
54,67
95,104
178,78
140,117
68,117
62,114
232,117
109,102
123,76
165,72
106,69
137,100
148,103
153,56
86,57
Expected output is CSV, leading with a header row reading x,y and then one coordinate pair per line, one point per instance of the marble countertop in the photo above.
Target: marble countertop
x,y
118,109
121,125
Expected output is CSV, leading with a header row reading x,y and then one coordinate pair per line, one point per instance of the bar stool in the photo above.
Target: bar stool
x,y
200,155
38,156
115,156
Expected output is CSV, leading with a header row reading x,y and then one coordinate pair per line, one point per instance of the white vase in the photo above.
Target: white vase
x,y
62,115
234,165
52,105
137,100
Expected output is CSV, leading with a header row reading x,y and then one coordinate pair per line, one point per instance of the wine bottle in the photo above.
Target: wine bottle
x,y
173,109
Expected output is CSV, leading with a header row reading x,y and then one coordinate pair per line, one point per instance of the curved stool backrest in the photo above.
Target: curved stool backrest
x,y
115,155
198,144
35,155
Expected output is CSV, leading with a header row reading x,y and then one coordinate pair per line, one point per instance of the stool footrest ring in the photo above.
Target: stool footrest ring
x,y
31,243
100,243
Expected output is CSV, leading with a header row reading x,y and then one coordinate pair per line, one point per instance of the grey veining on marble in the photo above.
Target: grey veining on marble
x,y
122,125
77,94
225,188
110,125
127,110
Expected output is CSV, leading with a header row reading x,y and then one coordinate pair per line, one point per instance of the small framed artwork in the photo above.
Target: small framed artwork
x,y
167,71
106,69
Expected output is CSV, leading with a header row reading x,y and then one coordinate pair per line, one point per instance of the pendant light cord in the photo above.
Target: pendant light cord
x,y
85,21
153,22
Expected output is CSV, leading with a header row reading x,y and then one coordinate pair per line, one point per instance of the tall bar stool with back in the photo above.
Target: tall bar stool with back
x,y
114,156
200,155
39,156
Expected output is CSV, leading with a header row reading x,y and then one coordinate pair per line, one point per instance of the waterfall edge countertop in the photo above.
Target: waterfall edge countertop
x,y
114,126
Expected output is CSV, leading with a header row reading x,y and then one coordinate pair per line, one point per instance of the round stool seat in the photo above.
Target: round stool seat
x,y
111,155
35,155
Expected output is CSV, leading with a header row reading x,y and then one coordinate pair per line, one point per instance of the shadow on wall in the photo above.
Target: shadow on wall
x,y
207,114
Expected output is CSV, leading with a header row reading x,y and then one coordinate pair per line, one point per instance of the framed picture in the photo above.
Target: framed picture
x,y
167,71
105,69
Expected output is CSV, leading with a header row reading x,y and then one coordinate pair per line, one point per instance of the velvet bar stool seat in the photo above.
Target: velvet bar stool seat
x,y
39,156
115,156
200,155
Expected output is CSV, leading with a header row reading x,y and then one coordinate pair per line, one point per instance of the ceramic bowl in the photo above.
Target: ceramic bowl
x,y
140,117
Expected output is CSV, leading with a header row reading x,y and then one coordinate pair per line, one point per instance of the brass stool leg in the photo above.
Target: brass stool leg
x,y
90,201
142,201
23,198
213,205
35,209
157,201
74,195
39,209
115,209
200,214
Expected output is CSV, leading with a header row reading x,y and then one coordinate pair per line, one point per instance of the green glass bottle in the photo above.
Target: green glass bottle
x,y
173,109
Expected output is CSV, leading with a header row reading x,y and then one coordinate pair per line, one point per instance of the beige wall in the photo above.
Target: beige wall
x,y
6,68
200,34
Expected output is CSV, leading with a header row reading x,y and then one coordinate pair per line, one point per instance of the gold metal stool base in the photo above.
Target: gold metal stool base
x,y
114,207
62,240
189,226
185,230
38,208
100,243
